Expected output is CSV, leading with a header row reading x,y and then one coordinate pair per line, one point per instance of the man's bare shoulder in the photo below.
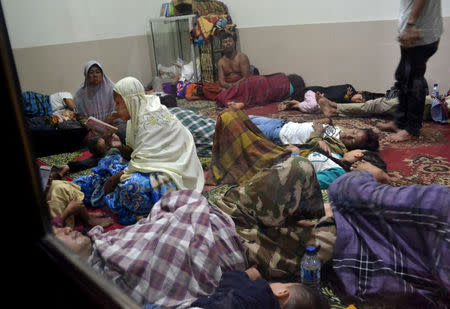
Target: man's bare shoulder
x,y
242,55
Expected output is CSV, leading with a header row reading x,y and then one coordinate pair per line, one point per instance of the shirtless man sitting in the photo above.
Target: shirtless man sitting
x,y
234,66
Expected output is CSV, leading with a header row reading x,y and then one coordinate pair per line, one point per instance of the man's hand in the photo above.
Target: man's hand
x,y
73,208
111,117
324,146
410,36
318,126
111,184
114,141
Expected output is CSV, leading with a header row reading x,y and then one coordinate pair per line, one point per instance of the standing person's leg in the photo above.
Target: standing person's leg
x,y
417,86
401,77
412,91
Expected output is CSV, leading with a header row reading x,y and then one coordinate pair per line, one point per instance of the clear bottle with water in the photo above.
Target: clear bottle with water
x,y
310,268
435,90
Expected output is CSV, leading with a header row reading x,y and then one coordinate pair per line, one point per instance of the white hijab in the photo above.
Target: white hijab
x,y
159,140
96,101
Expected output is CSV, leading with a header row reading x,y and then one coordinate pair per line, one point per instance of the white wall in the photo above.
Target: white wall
x,y
34,23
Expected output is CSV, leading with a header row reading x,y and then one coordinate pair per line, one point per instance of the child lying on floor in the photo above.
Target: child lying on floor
x,y
320,132
239,289
64,200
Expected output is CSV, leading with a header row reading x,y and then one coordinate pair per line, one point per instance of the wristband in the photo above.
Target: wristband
x,y
410,25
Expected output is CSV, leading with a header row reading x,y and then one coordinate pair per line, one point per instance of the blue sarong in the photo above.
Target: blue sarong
x,y
133,196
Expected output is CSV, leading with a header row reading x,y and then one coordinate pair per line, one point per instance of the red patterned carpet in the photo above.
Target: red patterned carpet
x,y
425,160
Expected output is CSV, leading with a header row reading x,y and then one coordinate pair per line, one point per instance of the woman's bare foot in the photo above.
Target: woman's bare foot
x,y
400,136
388,126
329,108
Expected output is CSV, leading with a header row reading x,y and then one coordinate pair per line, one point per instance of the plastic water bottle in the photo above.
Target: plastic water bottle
x,y
310,268
435,90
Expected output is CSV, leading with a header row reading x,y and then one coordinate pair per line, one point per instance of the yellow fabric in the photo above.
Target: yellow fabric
x,y
60,194
240,150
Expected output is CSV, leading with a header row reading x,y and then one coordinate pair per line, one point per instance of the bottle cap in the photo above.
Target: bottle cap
x,y
310,249
435,85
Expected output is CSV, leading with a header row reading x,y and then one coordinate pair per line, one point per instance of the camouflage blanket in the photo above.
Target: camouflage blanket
x,y
266,209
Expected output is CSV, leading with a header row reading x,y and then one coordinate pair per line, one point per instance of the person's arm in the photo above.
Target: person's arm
x,y
70,104
112,182
380,175
411,34
80,165
416,10
112,117
73,208
253,273
244,64
221,78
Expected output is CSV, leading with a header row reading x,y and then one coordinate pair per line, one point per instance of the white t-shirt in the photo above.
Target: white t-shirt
x,y
321,162
57,100
298,133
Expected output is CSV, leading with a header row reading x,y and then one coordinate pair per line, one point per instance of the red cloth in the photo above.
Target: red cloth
x,y
256,90
212,90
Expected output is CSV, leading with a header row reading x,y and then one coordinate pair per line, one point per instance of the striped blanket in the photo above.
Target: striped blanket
x,y
172,257
240,150
393,243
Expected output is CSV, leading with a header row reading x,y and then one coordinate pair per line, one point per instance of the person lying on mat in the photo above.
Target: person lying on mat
x,y
274,214
160,151
249,290
329,167
338,93
260,90
319,132
65,203
204,248
241,149
97,147
376,107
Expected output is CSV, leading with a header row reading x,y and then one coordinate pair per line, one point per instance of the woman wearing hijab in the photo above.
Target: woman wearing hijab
x,y
161,153
95,96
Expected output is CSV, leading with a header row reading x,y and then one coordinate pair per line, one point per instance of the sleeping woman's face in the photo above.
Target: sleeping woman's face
x,y
95,75
357,98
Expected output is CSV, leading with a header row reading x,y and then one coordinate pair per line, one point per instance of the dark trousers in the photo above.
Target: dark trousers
x,y
412,86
